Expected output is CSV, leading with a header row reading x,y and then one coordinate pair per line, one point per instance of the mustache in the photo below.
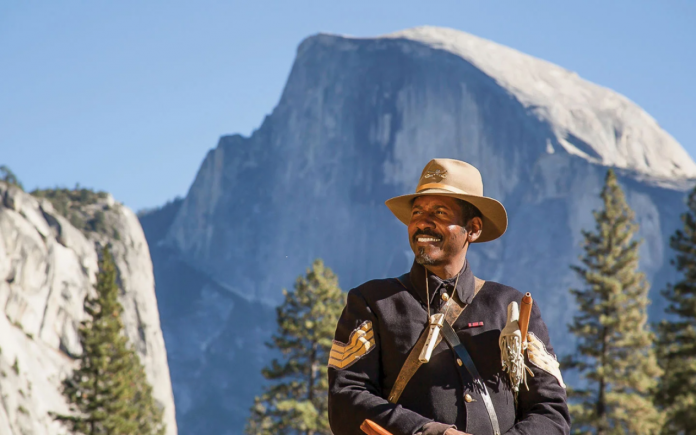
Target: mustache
x,y
426,233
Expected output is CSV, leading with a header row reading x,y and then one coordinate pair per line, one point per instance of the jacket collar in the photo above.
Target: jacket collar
x,y
465,286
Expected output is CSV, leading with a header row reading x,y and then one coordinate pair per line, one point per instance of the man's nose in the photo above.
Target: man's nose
x,y
425,220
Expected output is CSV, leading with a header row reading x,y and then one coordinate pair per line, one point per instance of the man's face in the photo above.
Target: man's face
x,y
436,231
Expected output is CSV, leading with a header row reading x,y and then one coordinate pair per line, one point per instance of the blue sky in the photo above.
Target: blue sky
x,y
128,96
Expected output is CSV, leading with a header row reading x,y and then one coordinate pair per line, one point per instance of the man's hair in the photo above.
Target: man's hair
x,y
469,211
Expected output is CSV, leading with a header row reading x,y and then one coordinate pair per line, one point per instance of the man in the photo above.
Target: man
x,y
377,367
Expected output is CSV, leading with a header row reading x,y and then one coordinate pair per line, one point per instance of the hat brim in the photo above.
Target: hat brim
x,y
494,218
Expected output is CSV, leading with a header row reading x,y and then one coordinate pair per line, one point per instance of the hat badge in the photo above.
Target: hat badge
x,y
436,173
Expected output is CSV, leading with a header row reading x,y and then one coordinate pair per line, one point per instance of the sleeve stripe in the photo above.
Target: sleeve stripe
x,y
340,353
364,347
360,343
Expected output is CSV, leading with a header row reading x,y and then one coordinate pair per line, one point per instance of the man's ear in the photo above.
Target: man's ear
x,y
474,229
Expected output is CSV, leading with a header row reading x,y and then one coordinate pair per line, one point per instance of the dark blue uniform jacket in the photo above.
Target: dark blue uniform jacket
x,y
397,317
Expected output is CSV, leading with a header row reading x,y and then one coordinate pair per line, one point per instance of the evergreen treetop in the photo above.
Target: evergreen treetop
x,y
615,353
676,394
108,393
9,177
296,401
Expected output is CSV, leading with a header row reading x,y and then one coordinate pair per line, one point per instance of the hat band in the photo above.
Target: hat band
x,y
452,189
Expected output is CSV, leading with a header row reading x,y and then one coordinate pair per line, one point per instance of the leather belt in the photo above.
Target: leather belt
x,y
453,341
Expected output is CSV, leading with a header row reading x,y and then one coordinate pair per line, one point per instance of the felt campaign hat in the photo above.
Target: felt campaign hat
x,y
456,179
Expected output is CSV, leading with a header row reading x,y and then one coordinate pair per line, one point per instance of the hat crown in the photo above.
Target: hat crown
x,y
450,174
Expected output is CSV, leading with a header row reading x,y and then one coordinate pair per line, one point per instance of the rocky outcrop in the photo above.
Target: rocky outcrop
x,y
47,266
357,121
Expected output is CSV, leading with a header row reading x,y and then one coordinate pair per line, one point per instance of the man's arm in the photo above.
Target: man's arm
x,y
543,408
355,390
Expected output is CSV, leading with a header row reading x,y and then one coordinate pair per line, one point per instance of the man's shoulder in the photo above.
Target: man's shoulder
x,y
495,293
377,285
378,289
501,290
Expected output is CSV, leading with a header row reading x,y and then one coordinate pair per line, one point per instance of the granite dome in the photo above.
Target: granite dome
x,y
589,120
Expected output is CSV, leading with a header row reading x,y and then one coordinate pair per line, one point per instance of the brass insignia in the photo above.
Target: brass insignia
x,y
360,343
436,173
540,357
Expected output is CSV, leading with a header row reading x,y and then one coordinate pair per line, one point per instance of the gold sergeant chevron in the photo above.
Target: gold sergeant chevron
x,y
360,343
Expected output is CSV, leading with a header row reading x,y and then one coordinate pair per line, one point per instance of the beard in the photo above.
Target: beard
x,y
444,252
424,259
422,256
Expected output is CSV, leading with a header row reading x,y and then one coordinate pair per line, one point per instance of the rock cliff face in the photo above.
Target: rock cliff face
x,y
357,121
47,266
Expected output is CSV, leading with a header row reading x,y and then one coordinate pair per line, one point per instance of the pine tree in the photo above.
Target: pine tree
x,y
144,411
108,393
297,399
676,394
615,353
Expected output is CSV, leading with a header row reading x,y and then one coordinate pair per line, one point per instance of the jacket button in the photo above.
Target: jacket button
x,y
445,297
468,398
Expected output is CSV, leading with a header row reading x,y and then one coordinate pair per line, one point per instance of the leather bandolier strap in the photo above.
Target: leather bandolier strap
x,y
452,309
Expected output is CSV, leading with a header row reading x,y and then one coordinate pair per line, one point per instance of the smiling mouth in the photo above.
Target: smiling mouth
x,y
427,239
